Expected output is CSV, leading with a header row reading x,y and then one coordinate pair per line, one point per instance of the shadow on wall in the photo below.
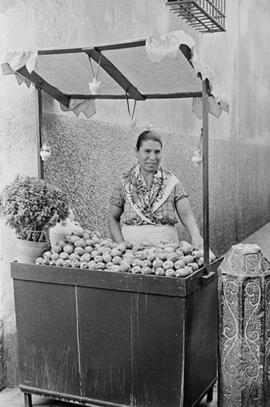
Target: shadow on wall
x,y
89,156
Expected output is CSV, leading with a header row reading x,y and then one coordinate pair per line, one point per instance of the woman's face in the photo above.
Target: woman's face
x,y
149,155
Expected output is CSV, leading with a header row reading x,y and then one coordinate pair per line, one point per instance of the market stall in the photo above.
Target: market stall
x,y
118,339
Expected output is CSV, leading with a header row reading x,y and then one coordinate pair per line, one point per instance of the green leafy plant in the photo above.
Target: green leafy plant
x,y
31,206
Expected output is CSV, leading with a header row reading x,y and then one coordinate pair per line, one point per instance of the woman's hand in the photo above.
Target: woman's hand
x,y
198,242
212,256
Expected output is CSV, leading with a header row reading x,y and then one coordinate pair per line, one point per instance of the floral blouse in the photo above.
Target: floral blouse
x,y
166,213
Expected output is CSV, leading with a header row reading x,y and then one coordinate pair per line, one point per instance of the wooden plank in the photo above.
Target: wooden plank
x,y
199,279
68,397
115,73
174,95
105,337
150,284
159,336
39,137
201,331
60,51
81,96
121,45
146,96
100,279
41,83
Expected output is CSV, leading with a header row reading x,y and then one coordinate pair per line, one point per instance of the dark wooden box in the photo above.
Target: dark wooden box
x,y
115,339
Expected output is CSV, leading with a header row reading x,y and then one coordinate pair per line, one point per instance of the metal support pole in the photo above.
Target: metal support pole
x,y
39,138
205,174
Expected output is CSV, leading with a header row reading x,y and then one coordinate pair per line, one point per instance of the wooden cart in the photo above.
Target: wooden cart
x,y
115,339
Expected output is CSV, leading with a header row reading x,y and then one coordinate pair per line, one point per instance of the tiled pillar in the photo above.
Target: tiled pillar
x,y
244,328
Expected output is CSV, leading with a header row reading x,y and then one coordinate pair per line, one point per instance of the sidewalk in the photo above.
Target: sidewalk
x,y
14,397
262,239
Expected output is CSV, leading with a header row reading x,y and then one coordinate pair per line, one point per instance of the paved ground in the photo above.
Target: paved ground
x,y
262,239
14,397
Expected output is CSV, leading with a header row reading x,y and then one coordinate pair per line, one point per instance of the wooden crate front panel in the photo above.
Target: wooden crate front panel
x,y
47,342
132,347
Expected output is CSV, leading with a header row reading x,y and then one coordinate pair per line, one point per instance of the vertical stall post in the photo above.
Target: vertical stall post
x,y
39,137
205,174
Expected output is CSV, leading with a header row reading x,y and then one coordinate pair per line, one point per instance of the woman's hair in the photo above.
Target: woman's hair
x,y
147,135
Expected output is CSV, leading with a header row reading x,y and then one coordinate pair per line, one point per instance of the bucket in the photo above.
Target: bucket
x,y
28,251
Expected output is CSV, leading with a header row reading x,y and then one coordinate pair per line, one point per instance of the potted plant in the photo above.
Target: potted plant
x,y
31,206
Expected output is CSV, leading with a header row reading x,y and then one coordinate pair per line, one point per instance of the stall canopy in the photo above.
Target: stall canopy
x,y
152,68
123,71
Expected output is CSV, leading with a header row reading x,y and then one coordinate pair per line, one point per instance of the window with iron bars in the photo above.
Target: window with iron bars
x,y
203,15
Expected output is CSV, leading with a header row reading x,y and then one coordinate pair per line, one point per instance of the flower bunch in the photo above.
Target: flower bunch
x,y
31,206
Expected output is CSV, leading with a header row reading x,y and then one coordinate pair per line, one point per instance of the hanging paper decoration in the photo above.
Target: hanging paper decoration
x,y
197,153
77,106
95,84
132,123
197,158
157,47
45,152
132,118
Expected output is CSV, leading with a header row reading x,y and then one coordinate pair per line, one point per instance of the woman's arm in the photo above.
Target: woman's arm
x,y
186,216
114,223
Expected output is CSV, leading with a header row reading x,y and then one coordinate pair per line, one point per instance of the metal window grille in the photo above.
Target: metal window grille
x,y
203,15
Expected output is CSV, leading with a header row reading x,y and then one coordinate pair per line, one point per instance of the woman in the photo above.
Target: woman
x,y
149,200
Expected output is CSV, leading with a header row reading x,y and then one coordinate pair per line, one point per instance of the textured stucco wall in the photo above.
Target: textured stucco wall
x,y
18,129
89,154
